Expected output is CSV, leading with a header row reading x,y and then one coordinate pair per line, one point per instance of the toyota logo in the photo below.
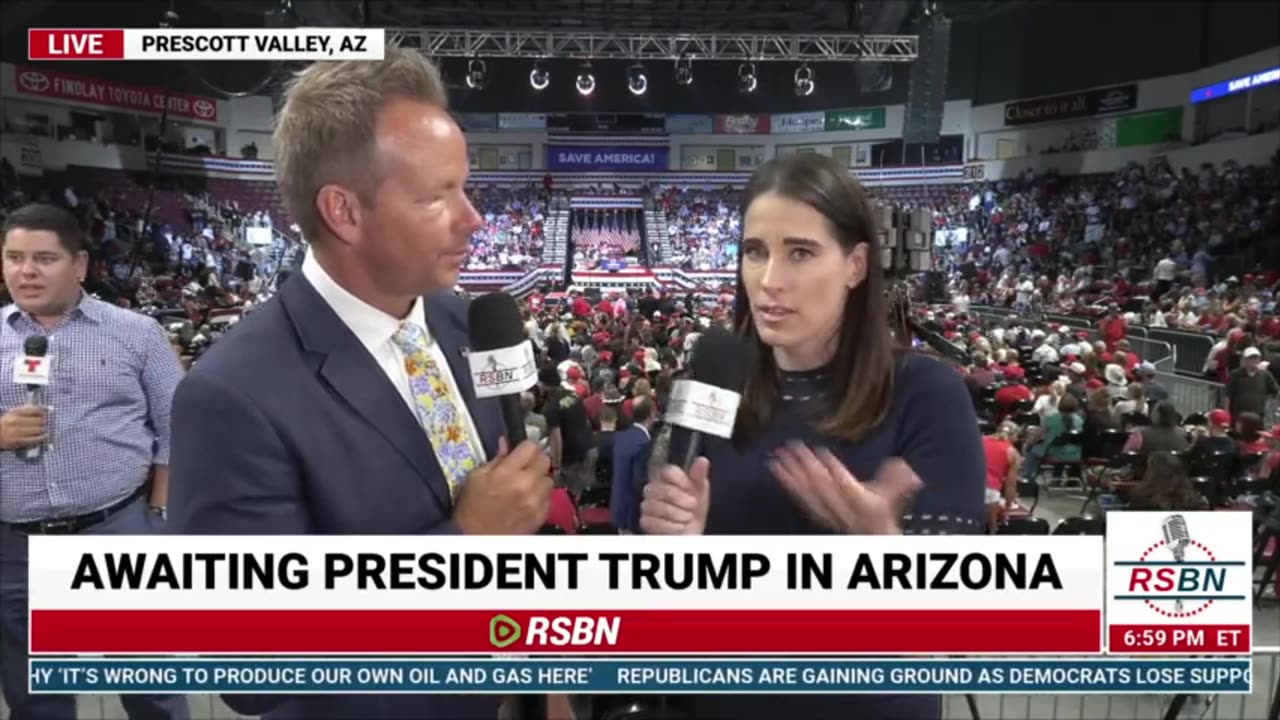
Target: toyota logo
x,y
204,108
33,81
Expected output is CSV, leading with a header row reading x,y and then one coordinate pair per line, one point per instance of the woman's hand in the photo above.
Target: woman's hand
x,y
825,489
676,502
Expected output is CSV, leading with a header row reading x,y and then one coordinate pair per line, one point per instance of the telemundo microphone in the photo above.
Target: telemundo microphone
x,y
707,402
32,370
503,366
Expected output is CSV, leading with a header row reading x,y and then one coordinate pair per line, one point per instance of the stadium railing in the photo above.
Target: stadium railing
x,y
1191,395
1191,349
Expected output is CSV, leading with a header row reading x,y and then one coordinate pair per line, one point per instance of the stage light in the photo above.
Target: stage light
x,y
539,78
804,80
475,74
746,77
586,82
637,82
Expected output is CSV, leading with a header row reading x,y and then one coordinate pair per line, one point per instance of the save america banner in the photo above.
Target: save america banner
x,y
588,158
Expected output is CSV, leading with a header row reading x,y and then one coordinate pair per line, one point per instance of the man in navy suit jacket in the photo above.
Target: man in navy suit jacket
x,y
631,466
301,420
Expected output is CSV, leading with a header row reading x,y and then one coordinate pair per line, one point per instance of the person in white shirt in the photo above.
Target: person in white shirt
x,y
1046,403
1026,293
1166,271
1045,354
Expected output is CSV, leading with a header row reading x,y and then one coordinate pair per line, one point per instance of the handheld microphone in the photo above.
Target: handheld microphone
x,y
501,358
32,369
502,366
707,402
1177,538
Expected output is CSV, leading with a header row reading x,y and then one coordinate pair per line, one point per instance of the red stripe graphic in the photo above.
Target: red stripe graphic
x,y
637,631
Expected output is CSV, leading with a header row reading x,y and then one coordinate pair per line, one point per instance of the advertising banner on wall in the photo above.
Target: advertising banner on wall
x,y
50,84
1240,84
623,123
742,124
689,124
522,121
1150,128
799,122
587,158
479,122
860,119
1116,98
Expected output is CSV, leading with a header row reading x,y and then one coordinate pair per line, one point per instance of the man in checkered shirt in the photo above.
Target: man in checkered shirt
x,y
101,428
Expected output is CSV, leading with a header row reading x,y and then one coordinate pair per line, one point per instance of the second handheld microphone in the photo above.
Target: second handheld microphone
x,y
32,370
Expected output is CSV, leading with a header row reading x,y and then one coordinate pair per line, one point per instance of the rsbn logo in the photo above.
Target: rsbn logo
x,y
1177,576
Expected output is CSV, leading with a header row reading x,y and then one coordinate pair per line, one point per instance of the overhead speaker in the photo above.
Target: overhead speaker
x,y
927,84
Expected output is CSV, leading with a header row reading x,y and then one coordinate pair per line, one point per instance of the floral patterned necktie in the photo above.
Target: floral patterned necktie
x,y
438,411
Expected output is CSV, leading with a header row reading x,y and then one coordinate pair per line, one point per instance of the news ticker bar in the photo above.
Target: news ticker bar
x,y
204,44
641,676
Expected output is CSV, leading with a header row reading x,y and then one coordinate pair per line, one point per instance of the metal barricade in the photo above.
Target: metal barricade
x,y
1190,349
993,314
1254,706
1191,395
1070,321
1157,352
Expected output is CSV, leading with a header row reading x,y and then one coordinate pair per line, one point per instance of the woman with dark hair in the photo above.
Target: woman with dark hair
x,y
1043,441
830,403
1165,486
1163,434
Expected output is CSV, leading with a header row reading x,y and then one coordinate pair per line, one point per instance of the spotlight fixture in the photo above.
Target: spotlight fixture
x,y
746,77
539,78
804,80
475,74
586,82
637,82
684,70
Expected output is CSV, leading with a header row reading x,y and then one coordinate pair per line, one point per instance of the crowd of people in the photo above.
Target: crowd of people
x,y
1059,400
703,226
1146,238
196,277
1048,398
512,235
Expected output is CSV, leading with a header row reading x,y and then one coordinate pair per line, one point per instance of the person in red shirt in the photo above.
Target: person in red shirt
x,y
1013,392
574,381
1004,467
1270,327
1113,327
1250,438
606,306
581,308
1131,359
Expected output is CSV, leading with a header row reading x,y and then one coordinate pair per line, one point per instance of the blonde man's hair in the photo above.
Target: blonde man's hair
x,y
325,131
